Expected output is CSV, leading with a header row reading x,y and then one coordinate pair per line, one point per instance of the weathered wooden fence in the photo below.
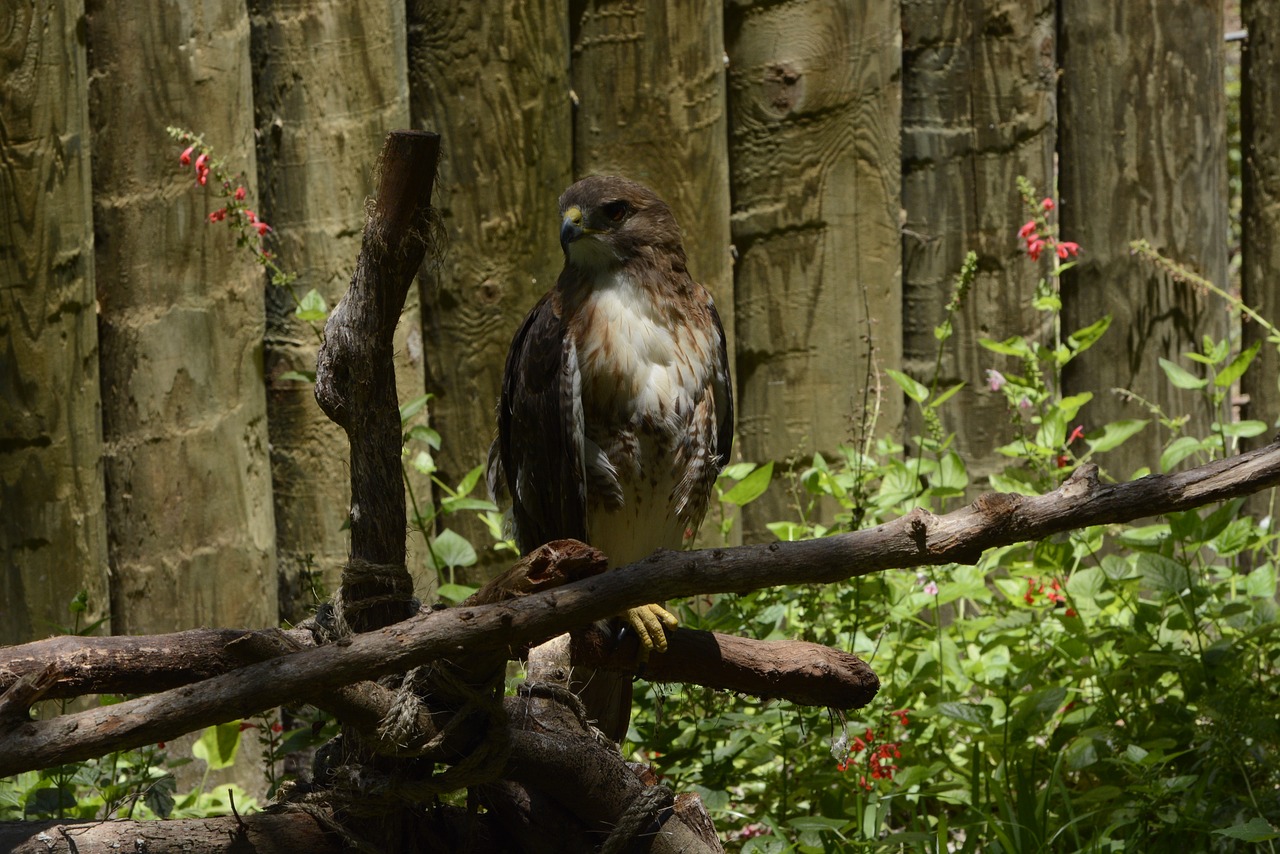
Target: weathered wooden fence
x,y
831,162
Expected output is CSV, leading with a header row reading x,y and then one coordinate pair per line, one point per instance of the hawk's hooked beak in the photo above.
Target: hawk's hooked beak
x,y
571,227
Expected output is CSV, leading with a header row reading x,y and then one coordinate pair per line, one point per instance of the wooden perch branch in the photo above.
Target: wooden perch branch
x,y
917,539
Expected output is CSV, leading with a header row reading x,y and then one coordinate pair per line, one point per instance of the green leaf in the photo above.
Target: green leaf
x,y
750,487
1083,339
1181,377
455,593
1239,364
1115,434
410,408
218,745
969,713
1179,449
455,505
159,795
423,433
946,395
737,471
1256,829
298,377
451,549
1162,574
910,387
1244,429
1014,346
1261,582
787,532
312,308
470,480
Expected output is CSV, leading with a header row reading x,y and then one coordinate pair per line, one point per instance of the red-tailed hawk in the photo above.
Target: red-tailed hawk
x,y
617,409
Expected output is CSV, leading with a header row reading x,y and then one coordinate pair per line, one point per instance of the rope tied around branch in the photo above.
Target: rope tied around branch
x,y
359,574
645,810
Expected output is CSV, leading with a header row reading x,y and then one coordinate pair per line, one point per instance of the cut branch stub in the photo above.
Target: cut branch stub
x,y
355,378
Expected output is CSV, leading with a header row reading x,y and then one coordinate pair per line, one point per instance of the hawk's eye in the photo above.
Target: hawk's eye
x,y
616,211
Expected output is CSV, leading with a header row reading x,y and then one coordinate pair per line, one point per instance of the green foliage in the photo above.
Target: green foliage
x,y
1114,688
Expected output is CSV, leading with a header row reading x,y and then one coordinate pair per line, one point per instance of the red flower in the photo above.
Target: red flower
x,y
239,194
1047,204
261,228
1027,230
277,727
218,216
901,714
1077,433
1063,461
253,217
1071,612
1066,248
1034,248
185,157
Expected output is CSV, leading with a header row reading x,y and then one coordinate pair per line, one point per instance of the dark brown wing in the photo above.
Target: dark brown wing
x,y
723,385
539,432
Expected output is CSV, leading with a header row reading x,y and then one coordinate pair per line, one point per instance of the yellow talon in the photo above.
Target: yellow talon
x,y
648,622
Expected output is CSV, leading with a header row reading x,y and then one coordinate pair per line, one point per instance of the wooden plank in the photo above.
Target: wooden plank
x,y
979,80
184,413
814,101
330,79
1142,154
650,84
53,535
495,86
1260,148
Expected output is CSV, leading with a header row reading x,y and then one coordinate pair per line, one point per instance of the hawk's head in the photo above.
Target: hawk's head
x,y
607,221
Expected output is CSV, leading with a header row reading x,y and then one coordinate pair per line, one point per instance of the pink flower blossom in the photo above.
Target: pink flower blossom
x,y
1034,248
1066,248
185,157
1027,230
1047,204
931,588
261,227
995,379
239,194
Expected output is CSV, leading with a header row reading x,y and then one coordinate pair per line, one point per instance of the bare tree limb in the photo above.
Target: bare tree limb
x,y
356,381
918,539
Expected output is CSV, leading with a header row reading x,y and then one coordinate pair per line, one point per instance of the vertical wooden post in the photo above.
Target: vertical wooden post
x,y
814,97
1260,149
496,87
192,540
1142,154
317,148
53,538
979,80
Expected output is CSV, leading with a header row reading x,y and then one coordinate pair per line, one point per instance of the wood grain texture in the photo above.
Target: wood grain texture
x,y
330,79
184,413
53,537
494,82
651,94
814,97
1142,152
979,78
1260,147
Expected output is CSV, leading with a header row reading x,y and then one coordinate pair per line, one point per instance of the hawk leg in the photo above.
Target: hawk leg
x,y
648,622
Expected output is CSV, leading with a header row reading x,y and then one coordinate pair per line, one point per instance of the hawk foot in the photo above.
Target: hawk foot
x,y
648,622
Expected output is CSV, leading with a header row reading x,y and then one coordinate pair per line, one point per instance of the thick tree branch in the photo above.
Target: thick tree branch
x,y
917,539
356,381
